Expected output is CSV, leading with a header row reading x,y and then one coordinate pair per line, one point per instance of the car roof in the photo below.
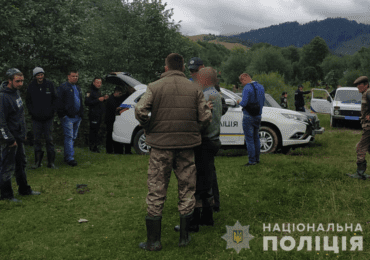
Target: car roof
x,y
122,79
347,88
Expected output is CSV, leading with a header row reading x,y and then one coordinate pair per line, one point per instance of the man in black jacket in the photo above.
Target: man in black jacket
x,y
112,108
41,101
70,112
94,101
12,136
299,99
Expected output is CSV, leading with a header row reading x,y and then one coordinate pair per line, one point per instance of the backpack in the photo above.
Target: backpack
x,y
253,108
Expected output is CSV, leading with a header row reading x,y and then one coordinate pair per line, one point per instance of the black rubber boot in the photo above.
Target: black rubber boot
x,y
360,173
38,159
194,222
184,229
207,217
153,229
51,159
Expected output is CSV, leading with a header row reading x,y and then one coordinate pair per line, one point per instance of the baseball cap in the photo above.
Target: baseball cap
x,y
194,63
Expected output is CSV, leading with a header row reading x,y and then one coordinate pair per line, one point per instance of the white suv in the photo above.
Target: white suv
x,y
346,104
280,128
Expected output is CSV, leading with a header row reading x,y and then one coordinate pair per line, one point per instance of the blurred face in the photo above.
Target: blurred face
x,y
244,80
117,94
301,89
16,83
362,87
97,83
73,78
285,95
40,78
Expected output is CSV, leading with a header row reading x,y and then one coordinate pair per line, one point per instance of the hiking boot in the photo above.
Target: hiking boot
x,y
153,229
360,173
184,229
38,159
207,217
194,222
51,159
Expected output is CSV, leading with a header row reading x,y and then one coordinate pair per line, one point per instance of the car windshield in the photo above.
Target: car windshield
x,y
131,81
348,96
271,102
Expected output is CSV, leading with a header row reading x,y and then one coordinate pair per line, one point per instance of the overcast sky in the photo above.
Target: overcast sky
x,y
237,16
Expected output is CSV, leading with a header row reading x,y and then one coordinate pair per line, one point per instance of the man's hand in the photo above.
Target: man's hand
x,y
15,144
106,97
101,99
210,104
311,90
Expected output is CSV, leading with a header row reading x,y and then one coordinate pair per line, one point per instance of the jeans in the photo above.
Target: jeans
x,y
251,126
70,130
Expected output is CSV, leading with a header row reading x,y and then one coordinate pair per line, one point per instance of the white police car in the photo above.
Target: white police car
x,y
346,104
280,128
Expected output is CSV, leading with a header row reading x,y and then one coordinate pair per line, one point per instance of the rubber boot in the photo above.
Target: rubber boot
x,y
153,229
184,229
207,217
51,159
194,222
360,173
38,159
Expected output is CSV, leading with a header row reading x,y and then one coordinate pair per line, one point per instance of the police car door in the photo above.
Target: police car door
x,y
231,122
321,101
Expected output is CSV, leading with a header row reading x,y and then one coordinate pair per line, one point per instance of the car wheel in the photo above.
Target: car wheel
x,y
333,122
139,143
268,139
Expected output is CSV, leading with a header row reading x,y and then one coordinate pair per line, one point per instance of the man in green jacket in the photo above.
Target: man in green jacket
x,y
178,113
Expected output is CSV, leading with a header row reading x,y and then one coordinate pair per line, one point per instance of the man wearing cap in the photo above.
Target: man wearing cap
x,y
195,64
12,136
41,103
94,100
299,99
70,112
362,83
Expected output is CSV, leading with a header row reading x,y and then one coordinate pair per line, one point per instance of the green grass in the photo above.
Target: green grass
x,y
306,186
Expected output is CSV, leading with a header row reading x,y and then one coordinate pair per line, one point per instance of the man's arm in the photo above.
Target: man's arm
x,y
143,108
204,112
91,99
245,97
60,102
5,135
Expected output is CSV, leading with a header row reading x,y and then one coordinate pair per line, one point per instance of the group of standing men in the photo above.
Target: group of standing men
x,y
42,101
181,119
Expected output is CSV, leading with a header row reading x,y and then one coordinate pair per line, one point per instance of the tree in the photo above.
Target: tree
x,y
333,68
291,53
235,65
310,74
313,55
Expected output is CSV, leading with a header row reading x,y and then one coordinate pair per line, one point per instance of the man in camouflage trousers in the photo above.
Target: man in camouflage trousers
x,y
178,113
362,83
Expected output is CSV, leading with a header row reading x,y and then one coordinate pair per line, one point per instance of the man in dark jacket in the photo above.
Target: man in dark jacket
x,y
94,101
111,110
284,100
12,136
299,99
70,112
41,101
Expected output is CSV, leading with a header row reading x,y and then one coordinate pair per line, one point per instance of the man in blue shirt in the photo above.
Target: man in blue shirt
x,y
251,124
70,112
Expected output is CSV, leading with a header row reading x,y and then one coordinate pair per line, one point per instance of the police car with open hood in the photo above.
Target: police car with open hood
x,y
280,128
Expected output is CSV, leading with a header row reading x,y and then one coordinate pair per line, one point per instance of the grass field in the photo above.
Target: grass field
x,y
306,186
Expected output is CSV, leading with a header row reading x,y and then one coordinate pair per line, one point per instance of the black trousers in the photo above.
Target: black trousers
x,y
113,146
206,174
302,109
95,123
13,162
43,128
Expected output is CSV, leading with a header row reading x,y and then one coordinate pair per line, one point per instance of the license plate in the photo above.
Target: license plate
x,y
352,118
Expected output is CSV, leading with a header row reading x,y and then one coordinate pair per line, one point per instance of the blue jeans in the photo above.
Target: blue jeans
x,y
70,130
251,126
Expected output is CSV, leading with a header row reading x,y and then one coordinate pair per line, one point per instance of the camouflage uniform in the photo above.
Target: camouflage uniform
x,y
160,167
363,146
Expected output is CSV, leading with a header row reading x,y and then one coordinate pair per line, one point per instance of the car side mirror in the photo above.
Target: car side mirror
x,y
230,102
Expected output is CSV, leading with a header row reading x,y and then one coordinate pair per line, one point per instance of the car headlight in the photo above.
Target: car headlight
x,y
336,112
300,118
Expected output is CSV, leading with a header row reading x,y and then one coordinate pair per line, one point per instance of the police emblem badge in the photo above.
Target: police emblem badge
x,y
237,237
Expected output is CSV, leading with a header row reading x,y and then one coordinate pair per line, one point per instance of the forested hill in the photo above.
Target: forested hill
x,y
341,35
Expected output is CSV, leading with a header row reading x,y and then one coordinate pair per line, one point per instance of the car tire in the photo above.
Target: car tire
x,y
139,143
268,139
333,122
